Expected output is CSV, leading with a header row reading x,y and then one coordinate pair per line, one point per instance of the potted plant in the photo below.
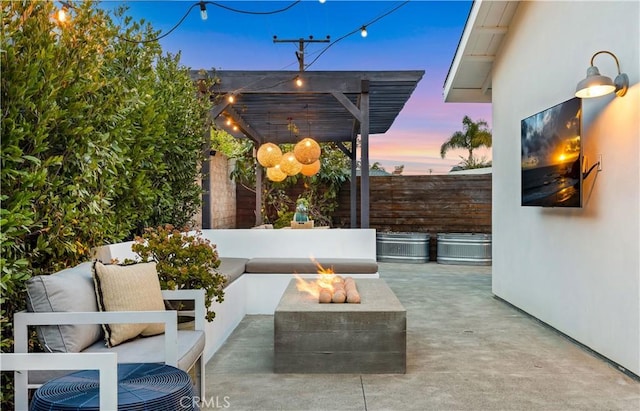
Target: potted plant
x,y
301,215
184,261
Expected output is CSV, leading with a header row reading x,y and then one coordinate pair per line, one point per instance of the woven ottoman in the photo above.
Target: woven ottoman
x,y
156,387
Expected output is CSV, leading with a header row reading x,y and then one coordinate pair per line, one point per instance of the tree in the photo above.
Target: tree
x,y
473,135
377,166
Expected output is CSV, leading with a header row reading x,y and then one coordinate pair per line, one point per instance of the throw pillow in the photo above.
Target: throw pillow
x,y
128,288
68,290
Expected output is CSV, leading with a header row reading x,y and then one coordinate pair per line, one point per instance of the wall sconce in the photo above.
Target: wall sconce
x,y
596,85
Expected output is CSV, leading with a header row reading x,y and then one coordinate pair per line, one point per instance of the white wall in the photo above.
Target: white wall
x,y
575,269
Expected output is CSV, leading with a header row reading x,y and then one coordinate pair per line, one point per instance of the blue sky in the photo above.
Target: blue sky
x,y
419,35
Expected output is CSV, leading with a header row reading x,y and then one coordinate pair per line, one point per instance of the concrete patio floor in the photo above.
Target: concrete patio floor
x,y
466,350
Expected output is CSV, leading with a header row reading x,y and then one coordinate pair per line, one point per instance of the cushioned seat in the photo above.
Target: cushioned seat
x,y
151,349
141,350
232,268
306,265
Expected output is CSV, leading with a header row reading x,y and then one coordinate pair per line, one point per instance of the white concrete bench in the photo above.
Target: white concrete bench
x,y
254,292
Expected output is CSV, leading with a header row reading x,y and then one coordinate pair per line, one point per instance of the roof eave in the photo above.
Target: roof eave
x,y
469,79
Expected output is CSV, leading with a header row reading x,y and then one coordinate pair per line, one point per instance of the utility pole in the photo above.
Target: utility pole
x,y
301,43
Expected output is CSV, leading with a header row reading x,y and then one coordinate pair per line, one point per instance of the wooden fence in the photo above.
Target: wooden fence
x,y
432,204
440,203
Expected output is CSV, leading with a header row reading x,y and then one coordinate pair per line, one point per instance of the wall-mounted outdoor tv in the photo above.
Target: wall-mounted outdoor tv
x,y
552,156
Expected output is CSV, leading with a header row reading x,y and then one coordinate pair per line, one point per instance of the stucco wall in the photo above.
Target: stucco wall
x,y
223,192
575,269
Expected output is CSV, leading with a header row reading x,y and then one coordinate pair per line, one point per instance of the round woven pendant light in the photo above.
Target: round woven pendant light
x,y
307,151
275,174
310,169
269,155
289,165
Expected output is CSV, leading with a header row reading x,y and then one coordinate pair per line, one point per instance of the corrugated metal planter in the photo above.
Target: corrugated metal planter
x,y
402,247
464,248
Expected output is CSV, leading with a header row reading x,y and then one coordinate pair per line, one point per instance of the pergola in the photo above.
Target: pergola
x,y
331,106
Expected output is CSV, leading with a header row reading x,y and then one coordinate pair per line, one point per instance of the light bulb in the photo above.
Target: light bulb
x,y
322,1
203,11
363,31
298,82
61,15
231,98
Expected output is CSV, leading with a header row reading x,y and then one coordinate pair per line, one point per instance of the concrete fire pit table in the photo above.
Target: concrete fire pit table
x,y
366,338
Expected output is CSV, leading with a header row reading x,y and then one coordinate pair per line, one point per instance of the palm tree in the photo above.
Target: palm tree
x,y
473,136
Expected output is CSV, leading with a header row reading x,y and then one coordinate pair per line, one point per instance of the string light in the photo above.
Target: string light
x,y
203,15
63,14
203,11
231,98
299,81
324,50
363,31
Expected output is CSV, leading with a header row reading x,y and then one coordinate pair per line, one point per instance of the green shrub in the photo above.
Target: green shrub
x,y
184,261
101,137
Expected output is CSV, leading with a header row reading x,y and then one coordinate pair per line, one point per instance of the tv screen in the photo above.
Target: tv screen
x,y
552,156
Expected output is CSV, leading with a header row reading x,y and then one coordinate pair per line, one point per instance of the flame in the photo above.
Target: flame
x,y
325,279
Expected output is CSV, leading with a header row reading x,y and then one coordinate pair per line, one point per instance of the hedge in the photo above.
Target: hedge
x,y
101,137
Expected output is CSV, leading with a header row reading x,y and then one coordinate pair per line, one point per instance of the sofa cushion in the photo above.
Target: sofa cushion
x,y
151,349
134,287
232,268
69,290
145,349
306,265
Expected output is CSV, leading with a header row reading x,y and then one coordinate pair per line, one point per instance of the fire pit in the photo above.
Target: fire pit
x,y
368,338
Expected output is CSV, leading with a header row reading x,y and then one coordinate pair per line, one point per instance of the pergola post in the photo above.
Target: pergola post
x,y
258,210
364,155
353,185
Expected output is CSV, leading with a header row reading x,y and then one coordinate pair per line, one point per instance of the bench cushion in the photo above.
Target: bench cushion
x,y
306,265
65,291
232,268
144,349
